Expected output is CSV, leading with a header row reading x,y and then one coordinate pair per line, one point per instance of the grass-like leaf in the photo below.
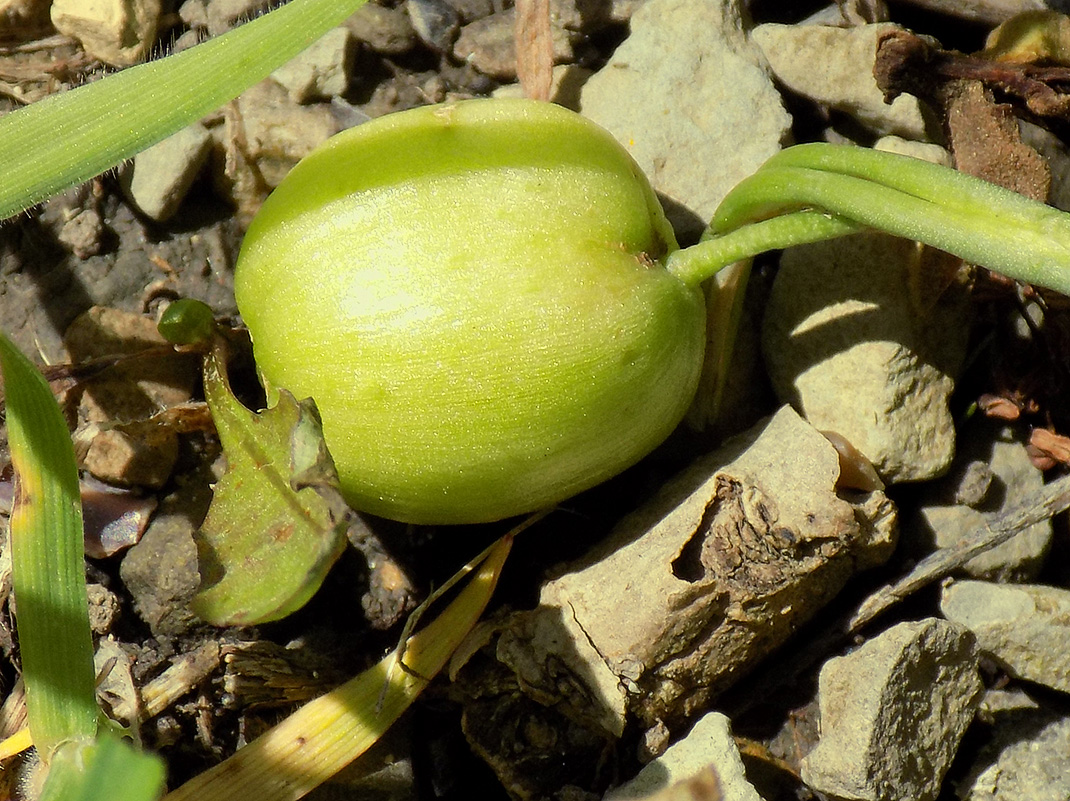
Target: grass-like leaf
x,y
106,769
68,138
47,563
819,191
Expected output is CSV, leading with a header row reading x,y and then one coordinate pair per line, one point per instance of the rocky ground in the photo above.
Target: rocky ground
x,y
719,615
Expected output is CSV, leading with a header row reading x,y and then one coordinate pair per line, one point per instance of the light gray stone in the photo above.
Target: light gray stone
x,y
488,44
1024,627
834,67
709,743
697,122
919,150
846,344
118,32
436,22
321,71
996,467
1026,757
157,179
893,712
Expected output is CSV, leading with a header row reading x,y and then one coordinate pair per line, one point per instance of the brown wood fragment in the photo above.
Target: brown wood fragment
x,y
534,48
985,142
686,595
912,64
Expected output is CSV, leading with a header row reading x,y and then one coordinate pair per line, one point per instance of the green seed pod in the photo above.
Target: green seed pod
x,y
475,296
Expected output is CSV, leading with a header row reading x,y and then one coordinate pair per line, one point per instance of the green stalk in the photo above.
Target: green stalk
x,y
695,264
68,138
48,571
782,205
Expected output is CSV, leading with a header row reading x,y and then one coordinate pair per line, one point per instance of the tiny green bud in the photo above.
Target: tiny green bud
x,y
186,322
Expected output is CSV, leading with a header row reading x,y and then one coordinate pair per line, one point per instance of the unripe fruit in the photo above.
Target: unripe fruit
x,y
474,294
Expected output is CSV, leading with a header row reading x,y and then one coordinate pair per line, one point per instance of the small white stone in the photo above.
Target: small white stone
x,y
118,32
846,345
690,99
321,71
709,743
834,67
1025,627
157,180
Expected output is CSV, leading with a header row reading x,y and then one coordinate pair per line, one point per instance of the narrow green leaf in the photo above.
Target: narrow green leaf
x,y
277,520
106,769
47,564
68,138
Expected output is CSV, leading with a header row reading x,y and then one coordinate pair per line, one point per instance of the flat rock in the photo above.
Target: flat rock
x,y
708,745
697,122
1024,627
846,344
157,179
893,712
834,68
321,71
989,474
118,32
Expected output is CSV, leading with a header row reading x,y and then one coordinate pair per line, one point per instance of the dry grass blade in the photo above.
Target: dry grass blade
x,y
328,733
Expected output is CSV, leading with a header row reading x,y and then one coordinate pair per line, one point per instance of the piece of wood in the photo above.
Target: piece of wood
x,y
685,596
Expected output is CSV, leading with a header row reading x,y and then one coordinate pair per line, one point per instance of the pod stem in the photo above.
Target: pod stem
x,y
813,192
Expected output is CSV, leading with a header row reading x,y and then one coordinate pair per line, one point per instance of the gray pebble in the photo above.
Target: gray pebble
x,y
893,712
384,30
436,23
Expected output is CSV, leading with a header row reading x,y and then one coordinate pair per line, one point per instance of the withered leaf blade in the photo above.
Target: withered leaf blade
x,y
276,525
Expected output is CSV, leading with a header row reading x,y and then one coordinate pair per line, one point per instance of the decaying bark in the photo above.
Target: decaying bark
x,y
685,596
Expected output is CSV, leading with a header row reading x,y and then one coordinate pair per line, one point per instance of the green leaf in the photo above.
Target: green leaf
x,y
107,769
68,138
277,522
48,569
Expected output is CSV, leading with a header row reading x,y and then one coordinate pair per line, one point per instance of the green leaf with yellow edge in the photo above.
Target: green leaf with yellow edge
x,y
328,733
276,524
